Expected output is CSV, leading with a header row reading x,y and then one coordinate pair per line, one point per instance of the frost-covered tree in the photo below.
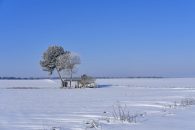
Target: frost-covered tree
x,y
68,62
62,64
62,61
49,62
72,62
55,58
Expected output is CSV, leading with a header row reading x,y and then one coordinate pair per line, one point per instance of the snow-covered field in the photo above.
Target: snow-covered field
x,y
43,105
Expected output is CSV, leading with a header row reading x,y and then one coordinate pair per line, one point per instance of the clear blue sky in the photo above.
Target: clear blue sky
x,y
113,37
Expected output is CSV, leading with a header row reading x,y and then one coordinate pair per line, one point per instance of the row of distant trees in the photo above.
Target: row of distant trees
x,y
55,58
15,78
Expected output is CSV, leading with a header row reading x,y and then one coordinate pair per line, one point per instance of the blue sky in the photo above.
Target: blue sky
x,y
113,37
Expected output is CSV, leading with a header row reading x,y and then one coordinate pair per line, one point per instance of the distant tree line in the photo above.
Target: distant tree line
x,y
19,78
75,78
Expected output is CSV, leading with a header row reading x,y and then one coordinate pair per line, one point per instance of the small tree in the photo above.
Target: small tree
x,y
49,62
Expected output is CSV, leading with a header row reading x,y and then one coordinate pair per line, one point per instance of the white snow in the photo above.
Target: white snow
x,y
44,106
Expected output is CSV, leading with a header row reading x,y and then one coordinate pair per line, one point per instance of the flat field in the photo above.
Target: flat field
x,y
157,104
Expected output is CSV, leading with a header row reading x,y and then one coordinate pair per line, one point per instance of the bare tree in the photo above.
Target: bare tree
x,y
49,62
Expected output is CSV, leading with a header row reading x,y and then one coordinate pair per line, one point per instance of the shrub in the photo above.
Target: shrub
x,y
87,81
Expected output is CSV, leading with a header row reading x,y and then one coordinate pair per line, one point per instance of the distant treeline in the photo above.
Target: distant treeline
x,y
39,78
30,78
19,78
128,77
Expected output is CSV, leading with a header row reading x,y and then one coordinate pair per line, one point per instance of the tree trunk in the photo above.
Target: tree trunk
x,y
60,78
70,78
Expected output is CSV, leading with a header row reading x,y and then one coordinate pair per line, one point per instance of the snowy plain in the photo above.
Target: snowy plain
x,y
41,105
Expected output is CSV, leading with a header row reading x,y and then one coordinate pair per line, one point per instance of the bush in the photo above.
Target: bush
x,y
87,81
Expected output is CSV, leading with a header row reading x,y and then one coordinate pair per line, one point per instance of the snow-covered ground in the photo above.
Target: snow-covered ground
x,y
44,106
